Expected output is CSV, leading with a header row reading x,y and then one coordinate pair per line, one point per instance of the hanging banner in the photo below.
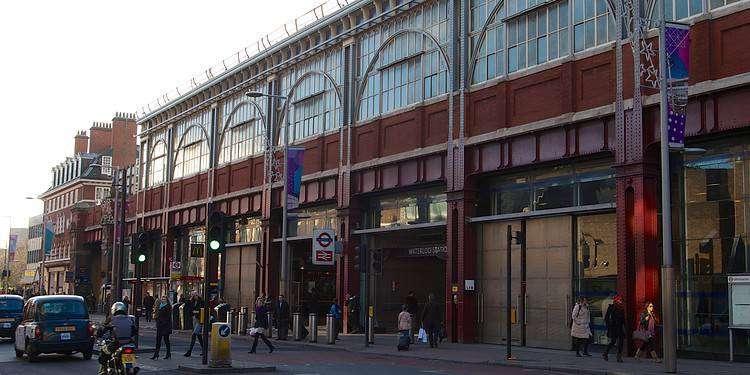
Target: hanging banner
x,y
294,158
12,243
677,47
49,235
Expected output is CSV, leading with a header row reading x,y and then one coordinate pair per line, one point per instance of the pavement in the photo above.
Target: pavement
x,y
492,356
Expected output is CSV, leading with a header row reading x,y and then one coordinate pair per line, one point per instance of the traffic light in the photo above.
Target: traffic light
x,y
139,248
360,258
217,235
377,261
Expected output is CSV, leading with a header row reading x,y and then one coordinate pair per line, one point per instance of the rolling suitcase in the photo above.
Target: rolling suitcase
x,y
403,341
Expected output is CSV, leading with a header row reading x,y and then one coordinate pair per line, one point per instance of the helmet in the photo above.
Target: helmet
x,y
118,308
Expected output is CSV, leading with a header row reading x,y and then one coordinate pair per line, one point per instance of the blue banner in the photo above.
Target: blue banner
x,y
49,235
294,159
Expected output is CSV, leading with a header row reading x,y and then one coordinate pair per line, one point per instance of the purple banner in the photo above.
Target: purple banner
x,y
676,122
294,159
677,44
12,243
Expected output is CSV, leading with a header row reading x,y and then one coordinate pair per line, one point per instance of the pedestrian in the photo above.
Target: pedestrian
x,y
260,326
335,311
148,305
614,319
412,308
353,313
404,328
126,301
196,305
647,327
282,318
431,320
580,328
163,326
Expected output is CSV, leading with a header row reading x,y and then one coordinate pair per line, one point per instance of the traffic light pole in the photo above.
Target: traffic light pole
x,y
137,302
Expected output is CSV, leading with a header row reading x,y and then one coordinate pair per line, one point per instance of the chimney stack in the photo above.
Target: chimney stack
x,y
123,139
81,143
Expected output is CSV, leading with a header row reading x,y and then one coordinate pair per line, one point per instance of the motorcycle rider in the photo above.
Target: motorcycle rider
x,y
123,330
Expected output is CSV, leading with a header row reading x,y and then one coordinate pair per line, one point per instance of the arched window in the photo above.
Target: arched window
x,y
410,69
490,55
192,155
243,132
314,107
158,164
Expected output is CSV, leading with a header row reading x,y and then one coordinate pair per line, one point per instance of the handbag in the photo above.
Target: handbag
x,y
641,334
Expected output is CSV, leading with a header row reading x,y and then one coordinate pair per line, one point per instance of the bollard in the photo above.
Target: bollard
x,y
235,323
331,329
232,326
297,326
242,321
370,330
313,327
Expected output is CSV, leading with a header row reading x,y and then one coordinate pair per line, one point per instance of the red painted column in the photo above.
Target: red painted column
x,y
638,256
347,278
460,305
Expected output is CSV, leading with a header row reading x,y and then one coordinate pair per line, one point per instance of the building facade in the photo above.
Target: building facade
x,y
77,203
14,257
33,261
431,127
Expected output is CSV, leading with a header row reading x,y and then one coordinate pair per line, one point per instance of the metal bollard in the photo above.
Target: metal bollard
x,y
242,321
370,330
313,327
297,326
235,321
230,316
331,329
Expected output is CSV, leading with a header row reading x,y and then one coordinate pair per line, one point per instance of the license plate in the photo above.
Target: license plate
x,y
65,336
6,325
65,329
128,359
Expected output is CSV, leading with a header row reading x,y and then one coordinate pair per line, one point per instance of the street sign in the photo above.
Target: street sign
x,y
175,271
224,330
323,246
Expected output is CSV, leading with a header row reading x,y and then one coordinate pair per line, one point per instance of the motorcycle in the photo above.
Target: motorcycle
x,y
116,358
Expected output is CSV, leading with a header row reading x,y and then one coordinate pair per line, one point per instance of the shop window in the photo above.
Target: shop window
x,y
246,230
303,222
554,188
714,244
595,273
406,209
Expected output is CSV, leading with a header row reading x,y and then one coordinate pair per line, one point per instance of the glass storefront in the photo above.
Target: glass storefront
x,y
555,187
595,271
408,208
713,243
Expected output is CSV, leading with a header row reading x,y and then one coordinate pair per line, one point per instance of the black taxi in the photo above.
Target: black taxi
x,y
54,324
11,311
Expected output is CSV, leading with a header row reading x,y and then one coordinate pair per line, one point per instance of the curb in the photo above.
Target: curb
x,y
196,369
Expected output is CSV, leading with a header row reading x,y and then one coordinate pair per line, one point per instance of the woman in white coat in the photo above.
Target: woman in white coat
x,y
580,328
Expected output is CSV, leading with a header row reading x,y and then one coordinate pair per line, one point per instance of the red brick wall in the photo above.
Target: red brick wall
x,y
123,141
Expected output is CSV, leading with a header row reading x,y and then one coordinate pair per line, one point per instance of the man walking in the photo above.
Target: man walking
x,y
282,318
614,319
148,305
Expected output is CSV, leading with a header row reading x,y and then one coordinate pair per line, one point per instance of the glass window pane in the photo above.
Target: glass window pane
x,y
590,32
579,38
542,48
578,10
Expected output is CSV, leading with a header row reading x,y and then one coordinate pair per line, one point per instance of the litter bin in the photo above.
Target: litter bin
x,y
221,312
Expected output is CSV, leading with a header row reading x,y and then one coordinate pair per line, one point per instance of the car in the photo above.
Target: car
x,y
55,324
11,311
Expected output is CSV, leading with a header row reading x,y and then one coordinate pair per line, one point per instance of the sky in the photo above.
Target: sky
x,y
66,64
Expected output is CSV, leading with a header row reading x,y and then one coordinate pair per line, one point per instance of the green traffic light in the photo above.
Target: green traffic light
x,y
141,258
214,245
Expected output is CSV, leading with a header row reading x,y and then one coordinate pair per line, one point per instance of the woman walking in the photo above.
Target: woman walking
x,y
261,325
163,327
196,305
580,329
647,325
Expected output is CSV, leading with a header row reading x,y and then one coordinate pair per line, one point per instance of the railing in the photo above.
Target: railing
x,y
245,54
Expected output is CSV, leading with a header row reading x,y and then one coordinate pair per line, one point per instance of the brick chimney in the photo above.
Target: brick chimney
x,y
81,143
101,137
123,139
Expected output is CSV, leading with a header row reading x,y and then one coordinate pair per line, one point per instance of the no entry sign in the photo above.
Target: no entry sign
x,y
323,245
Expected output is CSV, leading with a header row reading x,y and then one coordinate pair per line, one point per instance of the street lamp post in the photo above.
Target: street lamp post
x,y
285,261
